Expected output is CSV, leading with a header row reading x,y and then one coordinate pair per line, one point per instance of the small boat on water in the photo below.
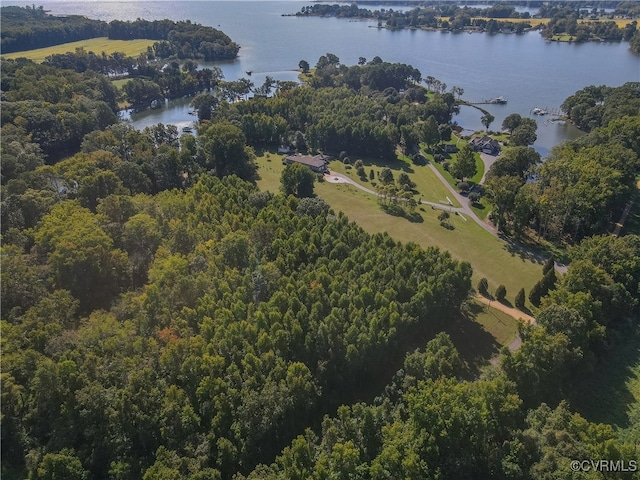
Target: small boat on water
x,y
498,100
539,111
249,72
187,129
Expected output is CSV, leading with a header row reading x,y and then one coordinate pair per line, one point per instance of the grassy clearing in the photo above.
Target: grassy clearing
x,y
534,22
120,82
269,168
479,333
489,256
131,48
483,209
501,326
447,176
428,186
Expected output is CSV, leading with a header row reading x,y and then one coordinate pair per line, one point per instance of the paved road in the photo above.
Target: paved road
x,y
488,160
334,177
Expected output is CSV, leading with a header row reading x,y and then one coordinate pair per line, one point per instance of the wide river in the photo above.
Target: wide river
x,y
525,69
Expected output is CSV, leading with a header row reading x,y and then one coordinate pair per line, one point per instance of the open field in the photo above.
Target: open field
x,y
131,48
490,257
428,186
534,22
479,333
120,82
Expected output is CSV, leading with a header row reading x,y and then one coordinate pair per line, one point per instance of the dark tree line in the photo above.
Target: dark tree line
x,y
29,28
596,106
56,108
181,39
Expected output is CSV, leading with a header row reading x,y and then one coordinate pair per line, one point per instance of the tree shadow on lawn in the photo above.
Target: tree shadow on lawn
x,y
521,251
602,395
398,211
506,303
475,345
394,163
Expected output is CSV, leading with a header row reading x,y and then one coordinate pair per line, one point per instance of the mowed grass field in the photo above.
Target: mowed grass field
x,y
428,186
490,257
131,48
534,22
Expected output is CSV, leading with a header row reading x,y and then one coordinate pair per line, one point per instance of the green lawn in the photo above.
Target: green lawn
x,y
120,82
428,186
501,326
483,209
131,48
269,169
490,257
479,333
451,160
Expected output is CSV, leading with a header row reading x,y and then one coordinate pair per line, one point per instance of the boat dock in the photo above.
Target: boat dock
x,y
490,101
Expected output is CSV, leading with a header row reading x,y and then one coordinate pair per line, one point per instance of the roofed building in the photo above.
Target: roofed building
x,y
317,163
486,145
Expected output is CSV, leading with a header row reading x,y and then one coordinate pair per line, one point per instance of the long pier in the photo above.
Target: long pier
x,y
492,101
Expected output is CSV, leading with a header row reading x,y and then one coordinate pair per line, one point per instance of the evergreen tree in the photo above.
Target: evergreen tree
x,y
297,179
465,164
519,300
483,286
541,288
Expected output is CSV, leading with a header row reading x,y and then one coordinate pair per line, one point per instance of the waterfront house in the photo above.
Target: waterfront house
x,y
317,163
486,145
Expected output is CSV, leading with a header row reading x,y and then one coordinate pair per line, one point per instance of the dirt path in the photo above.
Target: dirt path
x,y
512,312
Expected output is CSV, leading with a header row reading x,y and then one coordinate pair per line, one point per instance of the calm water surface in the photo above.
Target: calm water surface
x,y
525,69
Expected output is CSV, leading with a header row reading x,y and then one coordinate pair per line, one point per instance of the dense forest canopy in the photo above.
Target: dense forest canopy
x,y
579,21
583,186
164,318
30,27
296,319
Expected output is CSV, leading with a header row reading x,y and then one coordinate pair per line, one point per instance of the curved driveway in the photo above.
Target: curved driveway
x,y
465,208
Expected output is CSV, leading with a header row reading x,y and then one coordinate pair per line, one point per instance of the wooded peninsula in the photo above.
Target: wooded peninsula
x,y
559,20
206,306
